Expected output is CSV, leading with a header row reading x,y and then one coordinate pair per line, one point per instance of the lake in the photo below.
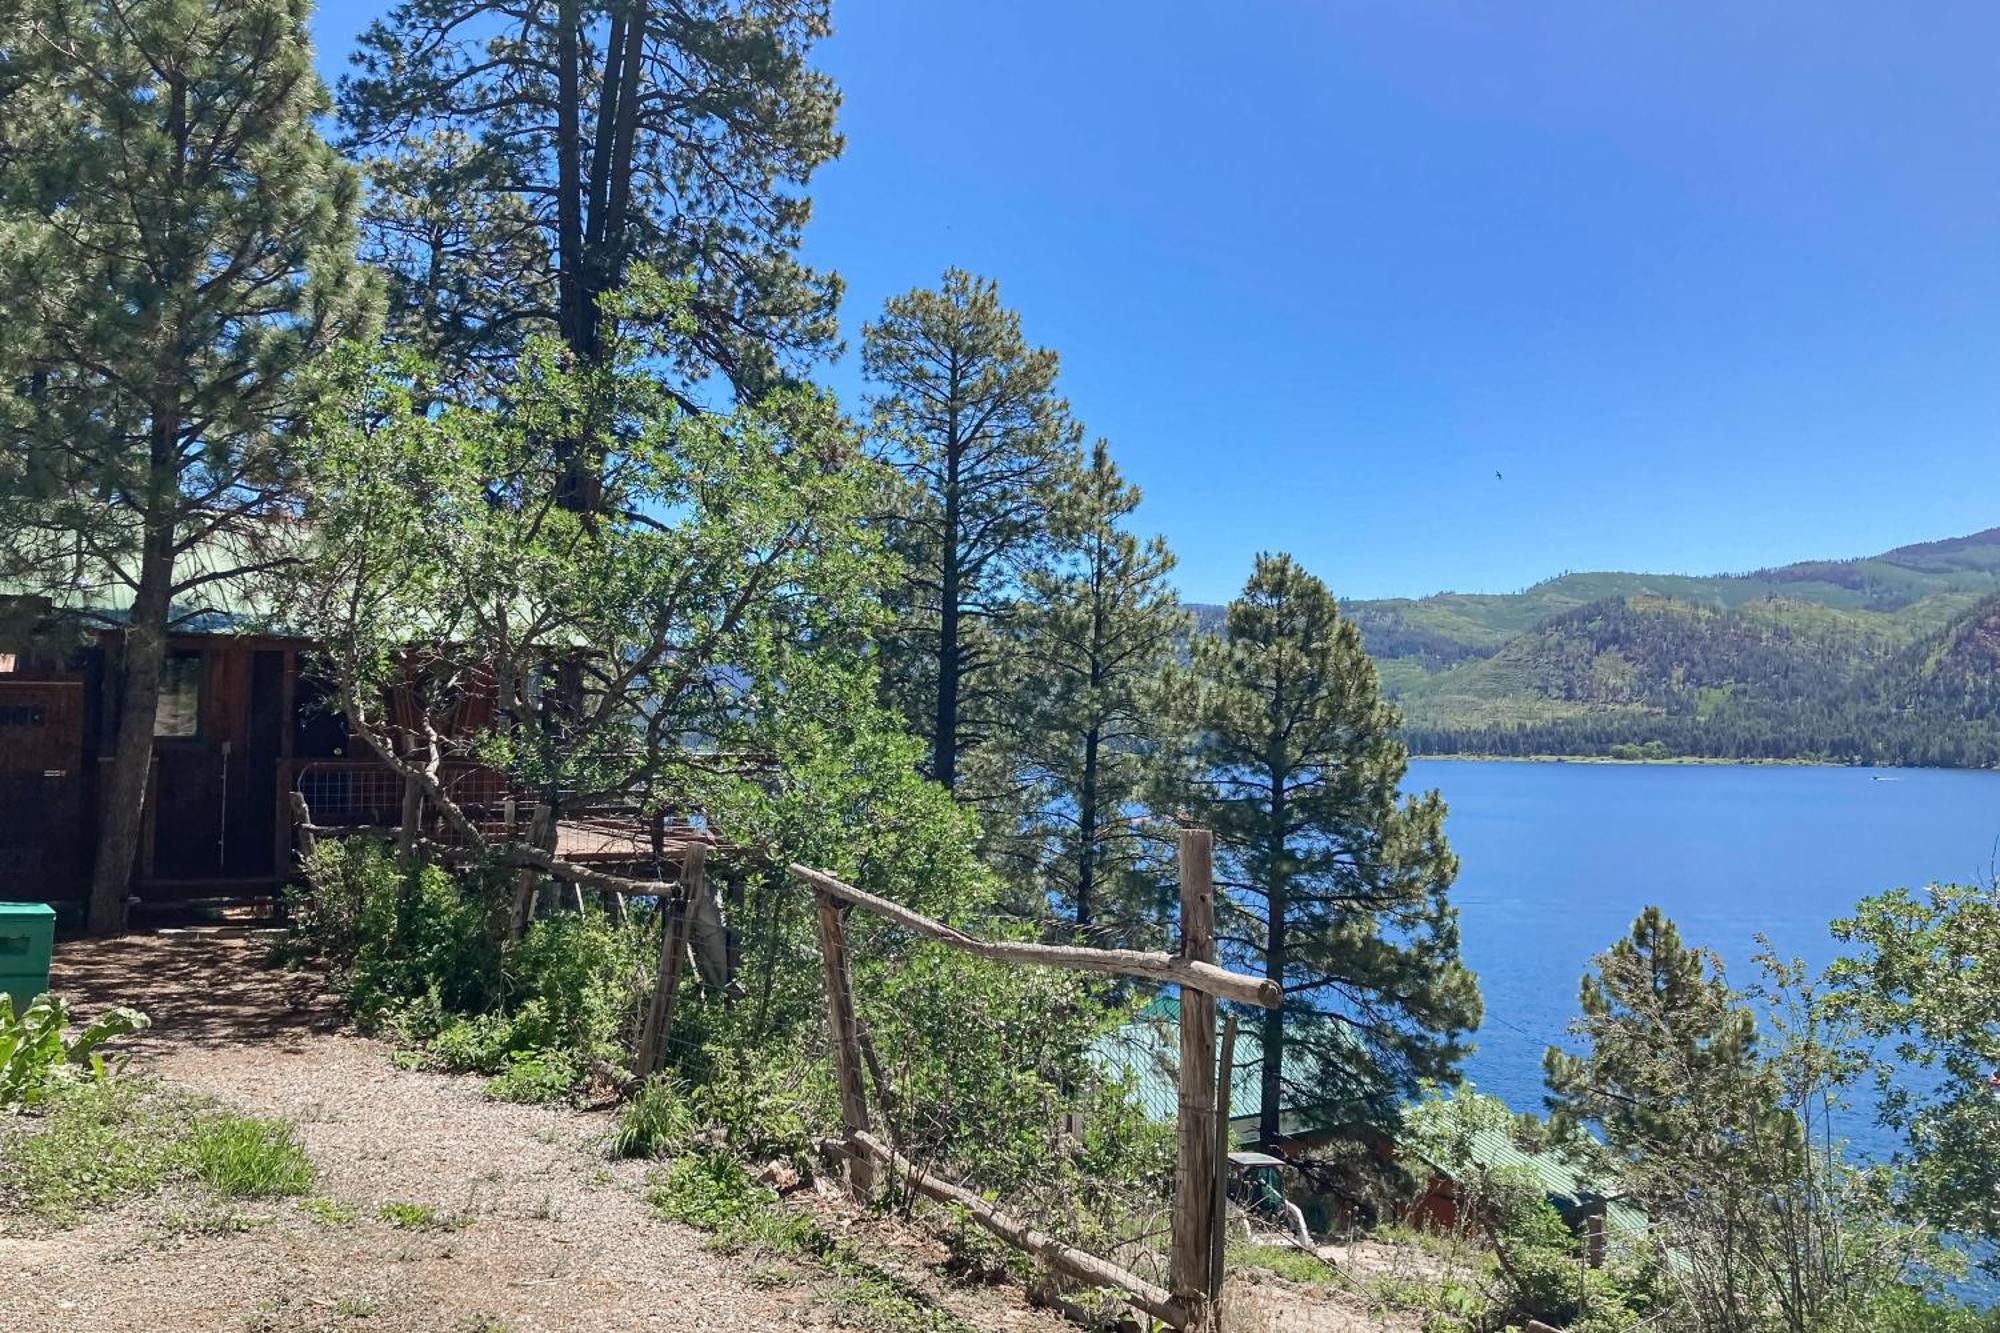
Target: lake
x,y
1556,860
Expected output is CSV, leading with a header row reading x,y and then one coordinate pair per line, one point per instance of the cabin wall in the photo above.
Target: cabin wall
x,y
214,804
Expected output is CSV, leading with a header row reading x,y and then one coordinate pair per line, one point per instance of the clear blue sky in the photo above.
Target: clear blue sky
x,y
1713,285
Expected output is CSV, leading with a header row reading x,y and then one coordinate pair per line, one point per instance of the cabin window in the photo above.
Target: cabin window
x,y
179,716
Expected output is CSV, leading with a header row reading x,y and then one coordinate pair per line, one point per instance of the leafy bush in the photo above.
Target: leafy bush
x,y
424,956
239,1157
536,1077
35,1056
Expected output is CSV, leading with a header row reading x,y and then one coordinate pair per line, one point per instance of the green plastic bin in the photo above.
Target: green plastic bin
x,y
27,936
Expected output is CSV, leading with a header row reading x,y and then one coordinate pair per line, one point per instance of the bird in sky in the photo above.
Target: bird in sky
x,y
1496,474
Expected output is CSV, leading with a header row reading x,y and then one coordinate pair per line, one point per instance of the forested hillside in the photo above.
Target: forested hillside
x,y
1888,659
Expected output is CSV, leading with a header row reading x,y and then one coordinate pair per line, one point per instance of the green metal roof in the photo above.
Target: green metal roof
x,y
1147,1049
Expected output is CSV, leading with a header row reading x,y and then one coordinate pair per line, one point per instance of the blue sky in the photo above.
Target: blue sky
x,y
1712,285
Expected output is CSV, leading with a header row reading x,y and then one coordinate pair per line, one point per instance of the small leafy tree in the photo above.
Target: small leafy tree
x,y
175,245
689,645
1924,974
1327,875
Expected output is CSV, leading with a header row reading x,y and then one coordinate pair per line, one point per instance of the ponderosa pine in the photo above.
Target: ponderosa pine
x,y
1328,879
178,244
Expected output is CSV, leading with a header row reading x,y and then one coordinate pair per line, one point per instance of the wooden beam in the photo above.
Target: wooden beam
x,y
1196,974
674,913
1050,1252
1194,1166
844,1033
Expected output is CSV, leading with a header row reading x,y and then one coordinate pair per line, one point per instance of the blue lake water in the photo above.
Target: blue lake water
x,y
1556,860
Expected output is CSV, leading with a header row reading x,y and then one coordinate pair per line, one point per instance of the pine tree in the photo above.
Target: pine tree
x,y
1096,633
530,156
1326,875
968,413
178,246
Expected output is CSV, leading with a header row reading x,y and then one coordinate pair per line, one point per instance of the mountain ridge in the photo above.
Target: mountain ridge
x,y
1888,658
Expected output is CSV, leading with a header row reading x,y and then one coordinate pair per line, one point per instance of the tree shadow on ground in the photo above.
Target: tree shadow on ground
x,y
204,987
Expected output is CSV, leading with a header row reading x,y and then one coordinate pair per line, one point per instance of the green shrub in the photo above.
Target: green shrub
x,y
536,1078
240,1157
574,980
35,1056
655,1119
391,938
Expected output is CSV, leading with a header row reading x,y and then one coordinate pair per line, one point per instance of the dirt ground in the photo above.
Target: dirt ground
x,y
549,1235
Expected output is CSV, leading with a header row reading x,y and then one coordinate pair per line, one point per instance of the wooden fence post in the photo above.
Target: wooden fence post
x,y
302,820
673,948
1195,1168
1224,1145
844,1032
526,878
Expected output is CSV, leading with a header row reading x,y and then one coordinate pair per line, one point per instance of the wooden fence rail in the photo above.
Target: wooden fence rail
x,y
1193,1302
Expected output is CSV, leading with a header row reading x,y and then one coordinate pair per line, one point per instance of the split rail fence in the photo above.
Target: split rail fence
x,y
1191,1298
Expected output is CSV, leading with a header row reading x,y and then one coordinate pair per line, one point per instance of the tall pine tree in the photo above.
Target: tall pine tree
x,y
529,155
1327,876
969,414
1096,634
178,244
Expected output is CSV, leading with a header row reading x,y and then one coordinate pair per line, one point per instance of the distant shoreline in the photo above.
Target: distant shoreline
x,y
1680,760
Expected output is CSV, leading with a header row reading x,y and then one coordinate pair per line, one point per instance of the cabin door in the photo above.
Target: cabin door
x,y
41,761
215,775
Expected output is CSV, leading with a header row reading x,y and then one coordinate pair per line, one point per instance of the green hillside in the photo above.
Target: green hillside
x,y
1886,659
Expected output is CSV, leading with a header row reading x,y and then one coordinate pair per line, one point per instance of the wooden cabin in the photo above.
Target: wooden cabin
x,y
237,723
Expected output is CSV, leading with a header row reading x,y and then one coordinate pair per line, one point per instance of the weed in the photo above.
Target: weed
x,y
93,1144
213,1220
355,1307
327,1212
535,1078
420,1217
240,1157
1283,1261
712,1192
480,1323
35,1056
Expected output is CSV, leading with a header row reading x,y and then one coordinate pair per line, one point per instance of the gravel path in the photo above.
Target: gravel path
x,y
551,1237
544,1233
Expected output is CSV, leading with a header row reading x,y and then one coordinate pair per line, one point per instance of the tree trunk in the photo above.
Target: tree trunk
x,y
1086,832
1271,1086
122,794
944,743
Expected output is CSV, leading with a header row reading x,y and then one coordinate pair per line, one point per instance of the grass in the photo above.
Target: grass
x,y
655,1120
711,1192
96,1144
1282,1261
240,1157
